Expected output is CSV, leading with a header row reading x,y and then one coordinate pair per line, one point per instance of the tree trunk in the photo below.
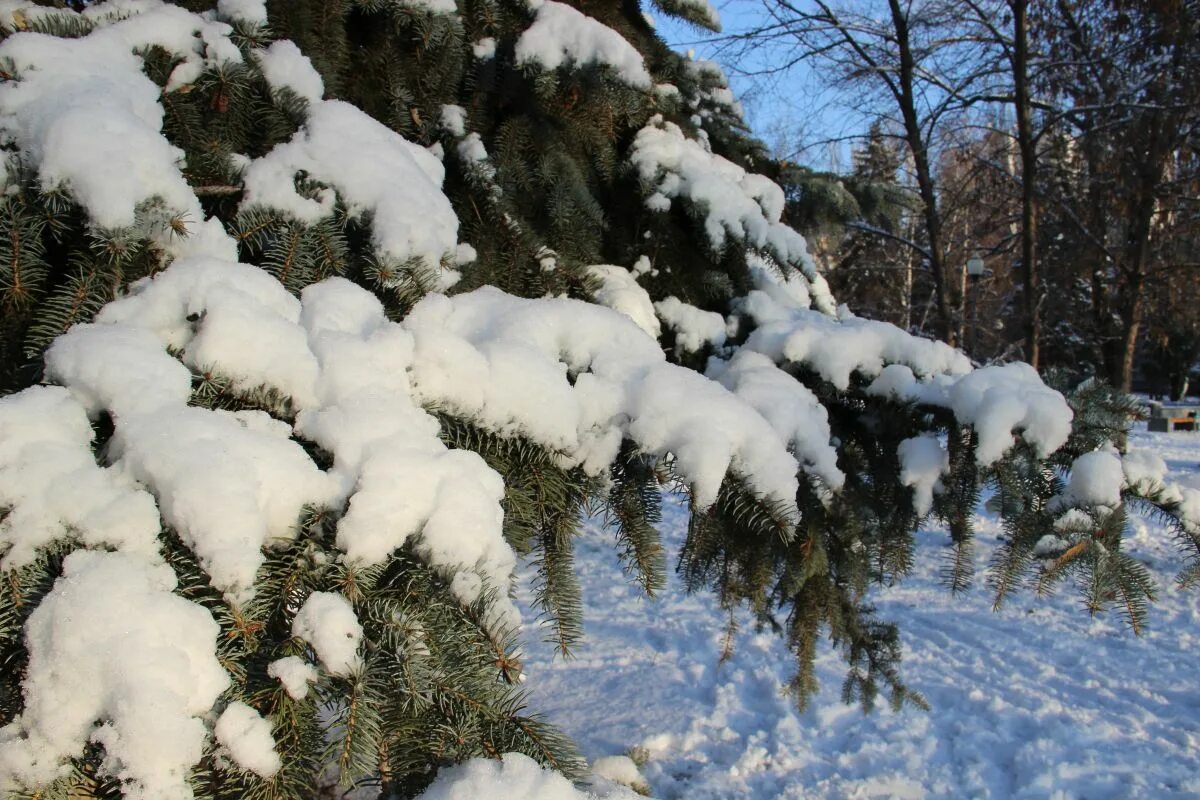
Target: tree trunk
x,y
906,98
1027,144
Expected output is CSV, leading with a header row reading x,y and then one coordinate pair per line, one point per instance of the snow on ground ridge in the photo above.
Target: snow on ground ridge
x,y
1036,701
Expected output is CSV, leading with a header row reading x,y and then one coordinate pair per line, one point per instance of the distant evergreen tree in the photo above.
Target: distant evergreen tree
x,y
543,174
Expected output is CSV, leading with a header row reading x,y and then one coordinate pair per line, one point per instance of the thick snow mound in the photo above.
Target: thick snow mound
x,y
693,327
560,36
374,170
734,204
285,67
577,378
53,488
117,659
247,736
620,291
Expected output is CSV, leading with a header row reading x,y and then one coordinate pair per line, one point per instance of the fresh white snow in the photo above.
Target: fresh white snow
x,y
111,643
247,736
561,36
328,623
374,170
1037,700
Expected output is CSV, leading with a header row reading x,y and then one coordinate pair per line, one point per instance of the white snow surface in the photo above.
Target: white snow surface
x,y
694,327
345,367
797,416
1096,479
1000,402
117,659
454,120
52,486
430,6
1035,701
295,674
923,461
513,777
285,67
327,622
506,363
620,291
253,12
561,36
620,769
735,204
484,49
84,117
247,736
373,169
229,483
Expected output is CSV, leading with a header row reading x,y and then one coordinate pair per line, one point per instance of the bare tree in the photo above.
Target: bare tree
x,y
1124,83
909,61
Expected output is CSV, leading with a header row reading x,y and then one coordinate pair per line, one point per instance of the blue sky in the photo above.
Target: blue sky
x,y
796,113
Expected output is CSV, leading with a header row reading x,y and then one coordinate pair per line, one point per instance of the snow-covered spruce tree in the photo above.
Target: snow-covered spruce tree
x,y
291,381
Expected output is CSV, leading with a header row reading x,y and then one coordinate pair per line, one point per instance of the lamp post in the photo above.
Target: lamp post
x,y
974,273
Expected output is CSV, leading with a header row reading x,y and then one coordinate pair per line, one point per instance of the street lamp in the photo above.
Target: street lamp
x,y
975,267
974,272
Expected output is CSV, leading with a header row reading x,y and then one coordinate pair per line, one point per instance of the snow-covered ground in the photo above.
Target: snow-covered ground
x,y
1038,700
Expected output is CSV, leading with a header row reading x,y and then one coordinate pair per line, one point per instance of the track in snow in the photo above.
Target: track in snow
x,y
1038,700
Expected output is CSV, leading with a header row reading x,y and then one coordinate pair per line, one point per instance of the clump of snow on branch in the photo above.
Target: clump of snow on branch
x,y
111,644
620,291
693,327
561,36
83,117
1145,470
251,12
374,171
430,6
923,461
344,366
507,363
512,777
713,90
327,622
792,410
285,67
189,457
733,203
1096,479
52,487
484,49
247,737
623,771
998,401
295,674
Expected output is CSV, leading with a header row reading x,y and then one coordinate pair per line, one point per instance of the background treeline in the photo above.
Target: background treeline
x,y
1057,140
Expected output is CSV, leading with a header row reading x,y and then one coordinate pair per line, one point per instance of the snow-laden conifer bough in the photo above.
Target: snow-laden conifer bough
x,y
260,519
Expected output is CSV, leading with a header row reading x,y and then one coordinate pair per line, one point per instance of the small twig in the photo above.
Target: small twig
x,y
217,190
